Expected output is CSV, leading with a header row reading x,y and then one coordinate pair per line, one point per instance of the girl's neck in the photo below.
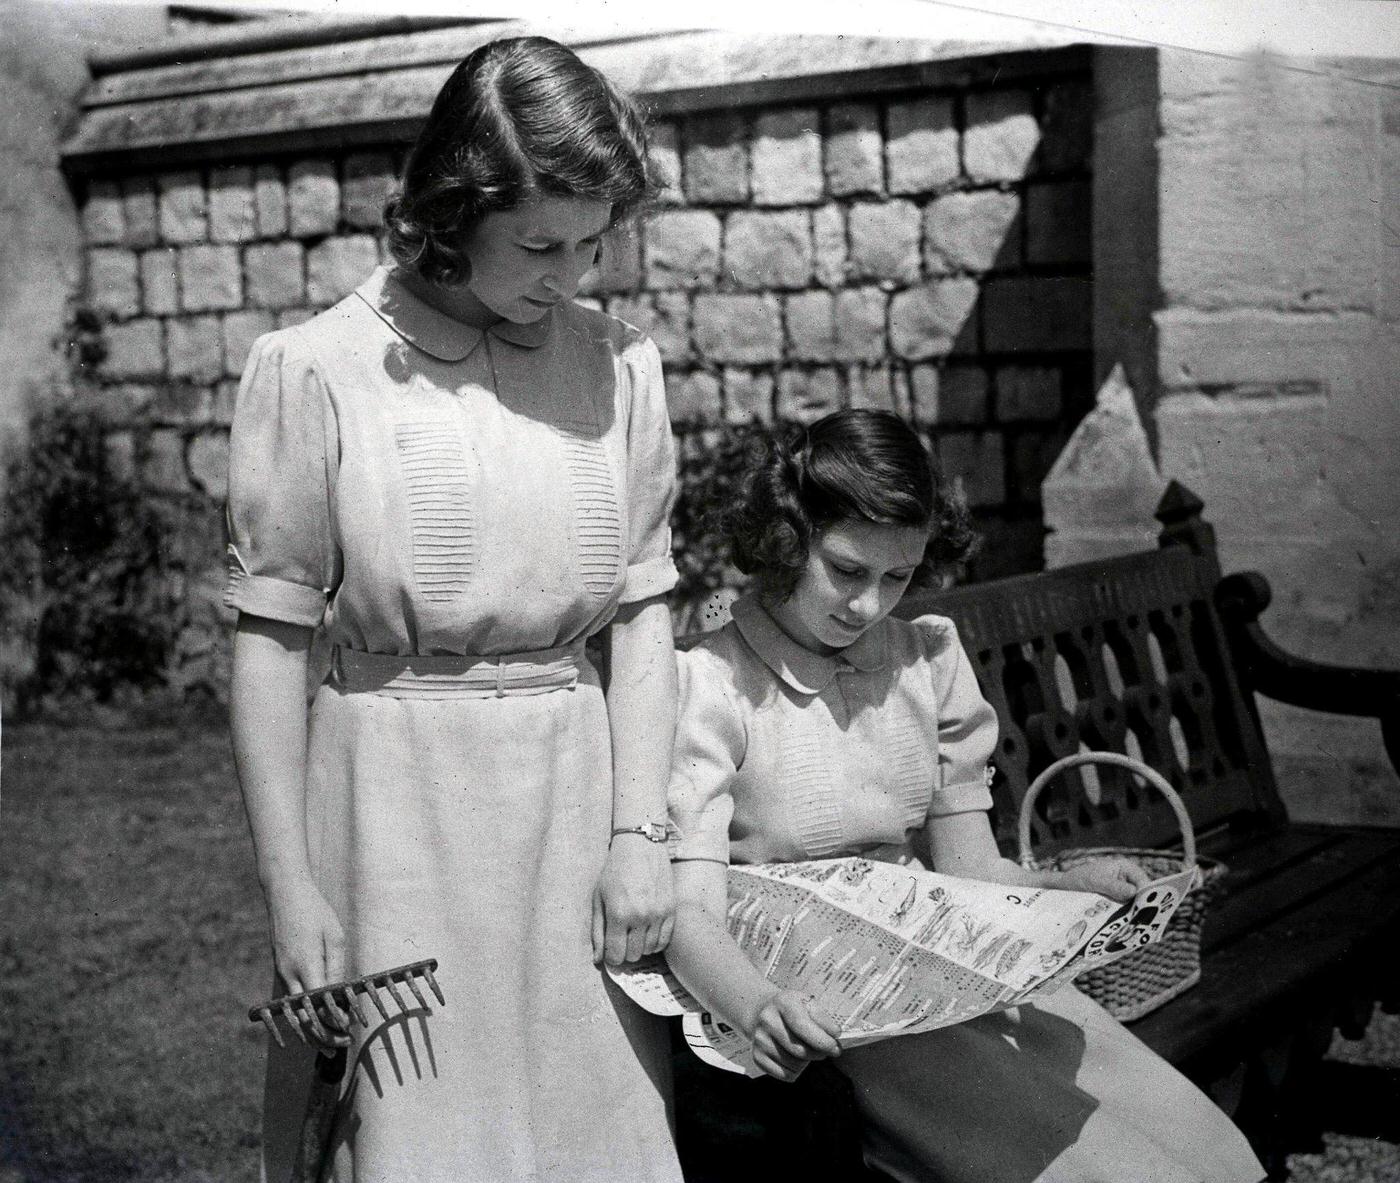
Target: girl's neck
x,y
456,301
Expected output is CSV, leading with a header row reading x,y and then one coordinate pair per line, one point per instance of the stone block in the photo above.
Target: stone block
x,y
1059,226
811,326
922,151
367,179
183,208
923,394
976,463
804,396
1030,456
1029,393
787,157
225,398
232,211
1067,129
195,347
291,317
337,266
241,329
131,402
1037,313
861,324
716,159
748,396
877,387
619,267
181,403
829,248
163,462
693,399
855,150
670,327
972,232
113,284
769,250
274,275
885,241
934,319
1002,135
663,148
206,458
140,211
135,349
211,279
682,249
160,281
270,201
738,328
313,199
119,449
963,395
104,222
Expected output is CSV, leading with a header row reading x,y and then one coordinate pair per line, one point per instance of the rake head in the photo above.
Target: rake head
x,y
339,1002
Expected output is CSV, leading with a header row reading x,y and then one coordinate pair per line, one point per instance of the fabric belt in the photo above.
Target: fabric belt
x,y
498,675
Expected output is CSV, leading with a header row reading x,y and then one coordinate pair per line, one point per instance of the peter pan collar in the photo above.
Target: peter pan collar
x,y
805,671
434,332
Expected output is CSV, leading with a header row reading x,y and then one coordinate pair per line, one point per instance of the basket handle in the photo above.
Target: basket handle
x,y
1155,778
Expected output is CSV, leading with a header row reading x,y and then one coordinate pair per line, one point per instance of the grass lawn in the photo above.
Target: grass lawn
x,y
131,944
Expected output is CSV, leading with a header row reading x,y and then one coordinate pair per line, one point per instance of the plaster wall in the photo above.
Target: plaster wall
x,y
1276,390
43,48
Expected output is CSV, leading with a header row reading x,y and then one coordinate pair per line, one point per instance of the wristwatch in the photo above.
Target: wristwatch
x,y
651,831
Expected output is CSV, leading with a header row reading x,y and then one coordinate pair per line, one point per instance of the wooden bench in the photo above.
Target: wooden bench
x,y
1157,655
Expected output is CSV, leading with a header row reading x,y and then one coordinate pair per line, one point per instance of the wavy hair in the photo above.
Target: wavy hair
x,y
518,117
856,464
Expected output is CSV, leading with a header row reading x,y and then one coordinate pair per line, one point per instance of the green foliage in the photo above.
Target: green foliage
x,y
711,463
81,602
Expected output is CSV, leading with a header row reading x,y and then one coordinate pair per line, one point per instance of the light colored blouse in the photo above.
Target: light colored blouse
x,y
430,488
784,754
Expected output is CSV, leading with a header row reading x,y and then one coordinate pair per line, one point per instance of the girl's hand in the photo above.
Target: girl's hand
x,y
633,905
788,1035
1118,878
308,951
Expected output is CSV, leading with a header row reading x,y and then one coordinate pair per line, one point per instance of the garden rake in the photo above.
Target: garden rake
x,y
339,1003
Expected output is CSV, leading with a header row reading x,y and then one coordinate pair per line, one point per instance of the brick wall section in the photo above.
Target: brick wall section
x,y
924,252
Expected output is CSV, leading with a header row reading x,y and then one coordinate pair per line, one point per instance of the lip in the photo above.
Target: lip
x,y
848,627
539,303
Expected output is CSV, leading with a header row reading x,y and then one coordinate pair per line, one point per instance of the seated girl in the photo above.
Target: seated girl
x,y
814,725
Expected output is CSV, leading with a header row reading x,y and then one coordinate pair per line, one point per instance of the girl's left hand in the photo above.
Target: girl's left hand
x,y
1116,877
633,903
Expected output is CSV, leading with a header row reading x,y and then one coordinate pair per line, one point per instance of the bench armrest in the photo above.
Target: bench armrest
x,y
1273,671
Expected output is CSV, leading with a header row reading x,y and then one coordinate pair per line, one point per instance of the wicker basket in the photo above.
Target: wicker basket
x,y
1142,981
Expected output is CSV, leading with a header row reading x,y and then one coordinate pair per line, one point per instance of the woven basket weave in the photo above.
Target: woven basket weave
x,y
1142,981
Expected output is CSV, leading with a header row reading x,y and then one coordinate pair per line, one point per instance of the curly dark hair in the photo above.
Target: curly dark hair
x,y
518,117
862,464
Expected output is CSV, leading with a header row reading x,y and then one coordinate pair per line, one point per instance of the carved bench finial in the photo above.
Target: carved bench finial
x,y
1179,511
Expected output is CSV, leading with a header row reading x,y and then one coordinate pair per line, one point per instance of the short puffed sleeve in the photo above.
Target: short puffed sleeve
x,y
651,478
710,743
967,722
283,562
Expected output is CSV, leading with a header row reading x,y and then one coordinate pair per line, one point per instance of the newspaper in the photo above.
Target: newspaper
x,y
892,950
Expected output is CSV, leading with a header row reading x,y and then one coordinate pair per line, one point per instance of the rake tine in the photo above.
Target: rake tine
x,y
412,983
308,1011
379,1002
395,995
327,999
292,1021
266,1016
354,1004
432,982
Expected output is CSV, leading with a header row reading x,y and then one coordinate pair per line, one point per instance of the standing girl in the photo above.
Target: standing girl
x,y
463,476
815,726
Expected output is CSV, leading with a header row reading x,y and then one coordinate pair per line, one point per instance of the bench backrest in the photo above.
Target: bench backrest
x,y
1126,654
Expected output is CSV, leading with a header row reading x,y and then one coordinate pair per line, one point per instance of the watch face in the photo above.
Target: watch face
x,y
655,832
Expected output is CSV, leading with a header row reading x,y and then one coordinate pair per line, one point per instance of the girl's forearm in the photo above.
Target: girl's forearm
x,y
267,714
641,698
711,966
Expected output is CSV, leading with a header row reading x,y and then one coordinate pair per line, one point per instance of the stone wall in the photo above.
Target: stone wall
x,y
927,251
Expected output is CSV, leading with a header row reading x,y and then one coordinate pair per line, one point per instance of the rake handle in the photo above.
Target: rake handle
x,y
313,1158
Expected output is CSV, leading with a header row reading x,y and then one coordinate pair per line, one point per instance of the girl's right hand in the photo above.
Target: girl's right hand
x,y
787,1035
308,950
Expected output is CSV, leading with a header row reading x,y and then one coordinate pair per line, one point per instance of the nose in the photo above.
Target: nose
x,y
865,604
